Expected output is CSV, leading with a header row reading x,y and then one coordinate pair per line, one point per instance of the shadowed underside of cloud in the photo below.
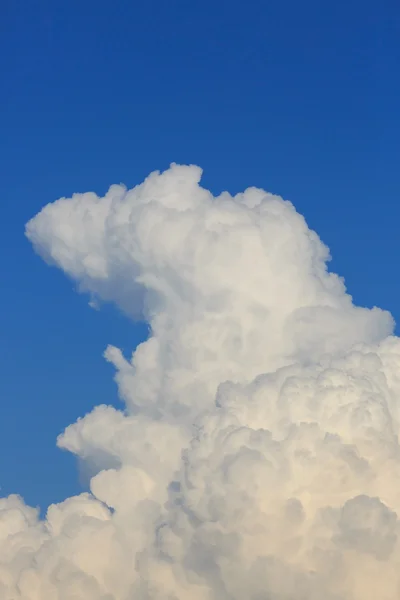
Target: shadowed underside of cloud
x,y
258,455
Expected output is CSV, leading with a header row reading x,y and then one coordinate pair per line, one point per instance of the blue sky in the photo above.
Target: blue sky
x,y
299,98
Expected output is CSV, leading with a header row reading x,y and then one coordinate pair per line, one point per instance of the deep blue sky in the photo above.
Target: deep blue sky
x,y
301,98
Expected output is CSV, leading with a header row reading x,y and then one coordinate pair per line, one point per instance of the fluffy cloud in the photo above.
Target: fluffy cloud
x,y
258,456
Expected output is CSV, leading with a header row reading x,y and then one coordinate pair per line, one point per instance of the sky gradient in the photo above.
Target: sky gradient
x,y
301,100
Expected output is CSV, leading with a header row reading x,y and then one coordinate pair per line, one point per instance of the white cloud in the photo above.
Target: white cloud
x,y
258,455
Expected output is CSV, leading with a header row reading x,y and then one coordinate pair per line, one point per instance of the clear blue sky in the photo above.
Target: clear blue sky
x,y
301,98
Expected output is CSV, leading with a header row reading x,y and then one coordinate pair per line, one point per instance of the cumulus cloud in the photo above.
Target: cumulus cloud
x,y
258,455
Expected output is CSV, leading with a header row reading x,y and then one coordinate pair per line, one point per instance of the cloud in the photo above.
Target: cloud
x,y
258,454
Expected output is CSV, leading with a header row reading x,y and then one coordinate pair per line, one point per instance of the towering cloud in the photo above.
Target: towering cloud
x,y
258,456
